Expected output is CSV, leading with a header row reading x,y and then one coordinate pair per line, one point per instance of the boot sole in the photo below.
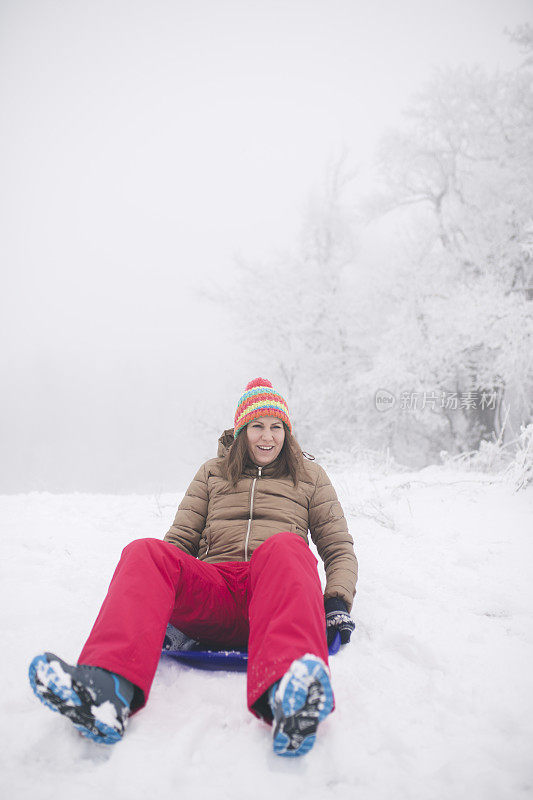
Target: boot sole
x,y
307,699
69,698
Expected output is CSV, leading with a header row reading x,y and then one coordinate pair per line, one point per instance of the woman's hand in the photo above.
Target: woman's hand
x,y
338,620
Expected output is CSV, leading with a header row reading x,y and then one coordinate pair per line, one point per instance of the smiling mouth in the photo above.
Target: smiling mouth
x,y
261,447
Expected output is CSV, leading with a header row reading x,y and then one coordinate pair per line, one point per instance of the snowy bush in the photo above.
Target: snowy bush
x,y
514,459
521,469
489,457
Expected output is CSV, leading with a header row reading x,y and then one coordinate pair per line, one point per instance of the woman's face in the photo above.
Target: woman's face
x,y
265,439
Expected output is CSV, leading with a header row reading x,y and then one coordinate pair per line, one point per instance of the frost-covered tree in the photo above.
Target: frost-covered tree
x,y
460,177
444,320
523,37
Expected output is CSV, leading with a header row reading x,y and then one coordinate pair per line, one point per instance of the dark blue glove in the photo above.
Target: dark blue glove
x,y
338,620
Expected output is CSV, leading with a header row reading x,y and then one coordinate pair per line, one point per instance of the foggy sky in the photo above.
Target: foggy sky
x,y
142,146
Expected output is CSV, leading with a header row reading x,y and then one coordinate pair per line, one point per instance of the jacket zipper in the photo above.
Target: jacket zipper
x,y
251,513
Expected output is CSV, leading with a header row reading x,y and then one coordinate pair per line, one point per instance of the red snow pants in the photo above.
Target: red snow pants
x,y
272,603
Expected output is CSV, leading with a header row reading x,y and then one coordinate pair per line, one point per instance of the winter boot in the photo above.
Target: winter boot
x,y
97,701
299,701
176,640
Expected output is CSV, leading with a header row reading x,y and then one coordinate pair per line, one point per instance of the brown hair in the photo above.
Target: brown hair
x,y
289,461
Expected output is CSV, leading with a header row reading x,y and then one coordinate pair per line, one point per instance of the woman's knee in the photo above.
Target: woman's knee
x,y
138,547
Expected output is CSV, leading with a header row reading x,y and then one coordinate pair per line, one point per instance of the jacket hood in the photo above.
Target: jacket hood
x,y
225,441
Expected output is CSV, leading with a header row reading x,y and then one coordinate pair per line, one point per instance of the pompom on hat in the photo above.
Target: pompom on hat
x,y
260,400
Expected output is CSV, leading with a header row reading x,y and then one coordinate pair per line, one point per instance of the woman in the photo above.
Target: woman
x,y
234,569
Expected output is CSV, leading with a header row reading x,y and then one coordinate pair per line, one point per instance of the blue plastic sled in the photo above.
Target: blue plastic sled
x,y
202,656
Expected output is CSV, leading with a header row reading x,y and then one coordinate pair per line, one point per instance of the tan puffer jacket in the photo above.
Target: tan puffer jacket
x,y
217,523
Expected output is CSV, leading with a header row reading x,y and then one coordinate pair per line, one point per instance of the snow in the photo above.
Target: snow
x,y
434,694
300,677
106,713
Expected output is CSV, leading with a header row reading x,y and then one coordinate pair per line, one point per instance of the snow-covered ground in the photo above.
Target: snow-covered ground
x,y
434,694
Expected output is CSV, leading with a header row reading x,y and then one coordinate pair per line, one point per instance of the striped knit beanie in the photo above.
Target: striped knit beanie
x,y
260,400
